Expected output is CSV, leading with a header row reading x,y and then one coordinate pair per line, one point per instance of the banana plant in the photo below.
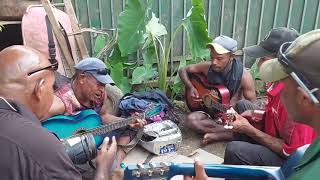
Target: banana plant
x,y
139,30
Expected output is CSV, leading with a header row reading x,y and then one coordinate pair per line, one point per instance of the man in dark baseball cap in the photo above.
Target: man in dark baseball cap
x,y
272,42
298,67
301,62
273,118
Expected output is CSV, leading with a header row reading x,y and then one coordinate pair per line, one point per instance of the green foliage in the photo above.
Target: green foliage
x,y
196,28
131,27
121,81
100,42
178,86
138,31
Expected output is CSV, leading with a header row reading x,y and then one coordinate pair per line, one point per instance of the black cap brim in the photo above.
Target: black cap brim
x,y
256,51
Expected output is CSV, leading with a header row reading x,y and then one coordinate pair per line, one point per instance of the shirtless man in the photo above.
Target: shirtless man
x,y
222,69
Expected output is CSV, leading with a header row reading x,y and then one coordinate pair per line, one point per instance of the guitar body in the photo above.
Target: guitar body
x,y
209,93
88,121
65,126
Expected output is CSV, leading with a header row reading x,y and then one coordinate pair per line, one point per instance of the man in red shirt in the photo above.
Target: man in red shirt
x,y
279,135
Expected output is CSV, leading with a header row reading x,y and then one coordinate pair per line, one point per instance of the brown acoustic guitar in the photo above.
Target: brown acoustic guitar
x,y
214,99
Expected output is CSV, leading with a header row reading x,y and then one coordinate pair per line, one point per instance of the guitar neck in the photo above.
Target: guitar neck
x,y
229,171
111,126
169,170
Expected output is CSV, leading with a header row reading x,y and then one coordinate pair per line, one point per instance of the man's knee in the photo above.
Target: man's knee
x,y
244,105
192,120
234,151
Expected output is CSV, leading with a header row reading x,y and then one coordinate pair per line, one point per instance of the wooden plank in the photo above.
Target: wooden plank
x,y
75,28
58,33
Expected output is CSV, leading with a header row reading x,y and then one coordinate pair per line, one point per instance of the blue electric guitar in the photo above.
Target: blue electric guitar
x,y
88,121
168,170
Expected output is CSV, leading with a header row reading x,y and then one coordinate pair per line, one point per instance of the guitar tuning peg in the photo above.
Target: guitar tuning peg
x,y
137,174
161,172
164,164
140,166
152,165
165,168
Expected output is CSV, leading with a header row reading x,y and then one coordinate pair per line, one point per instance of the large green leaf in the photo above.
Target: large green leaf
x,y
197,32
120,80
131,26
143,74
115,56
178,86
99,44
148,55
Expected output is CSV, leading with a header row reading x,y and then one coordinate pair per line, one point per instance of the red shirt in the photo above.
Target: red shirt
x,y
277,123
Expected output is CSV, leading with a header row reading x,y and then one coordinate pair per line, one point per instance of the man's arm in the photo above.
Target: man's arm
x,y
241,125
194,68
247,85
202,67
107,118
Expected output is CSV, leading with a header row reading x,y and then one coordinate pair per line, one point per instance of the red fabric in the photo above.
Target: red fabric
x,y
278,124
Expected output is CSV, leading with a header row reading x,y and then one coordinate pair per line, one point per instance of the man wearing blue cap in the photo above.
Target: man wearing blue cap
x,y
87,91
222,69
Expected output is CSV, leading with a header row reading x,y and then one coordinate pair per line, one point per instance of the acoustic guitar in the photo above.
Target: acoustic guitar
x,y
88,121
214,99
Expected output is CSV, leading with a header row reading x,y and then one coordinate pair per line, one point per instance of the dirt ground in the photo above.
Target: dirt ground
x,y
191,140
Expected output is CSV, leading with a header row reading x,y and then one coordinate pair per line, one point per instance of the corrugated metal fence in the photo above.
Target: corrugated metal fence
x,y
248,21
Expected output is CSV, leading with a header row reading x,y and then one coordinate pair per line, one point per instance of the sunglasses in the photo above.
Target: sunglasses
x,y
52,67
101,71
297,75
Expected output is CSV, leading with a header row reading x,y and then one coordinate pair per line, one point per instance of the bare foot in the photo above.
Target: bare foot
x,y
220,136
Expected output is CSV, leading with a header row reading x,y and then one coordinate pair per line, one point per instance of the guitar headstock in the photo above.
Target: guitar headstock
x,y
229,118
148,171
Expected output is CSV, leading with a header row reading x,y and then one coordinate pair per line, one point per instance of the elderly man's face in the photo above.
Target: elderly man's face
x,y
93,88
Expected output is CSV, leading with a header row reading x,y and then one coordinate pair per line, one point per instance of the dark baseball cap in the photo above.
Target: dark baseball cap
x,y
303,54
271,43
97,68
223,44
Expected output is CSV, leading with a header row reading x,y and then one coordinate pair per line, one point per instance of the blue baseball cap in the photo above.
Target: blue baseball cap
x,y
224,44
97,68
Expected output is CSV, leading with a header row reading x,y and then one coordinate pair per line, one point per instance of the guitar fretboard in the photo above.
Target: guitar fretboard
x,y
113,125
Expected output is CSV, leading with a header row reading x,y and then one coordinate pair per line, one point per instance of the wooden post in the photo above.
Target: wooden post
x,y
59,35
75,28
